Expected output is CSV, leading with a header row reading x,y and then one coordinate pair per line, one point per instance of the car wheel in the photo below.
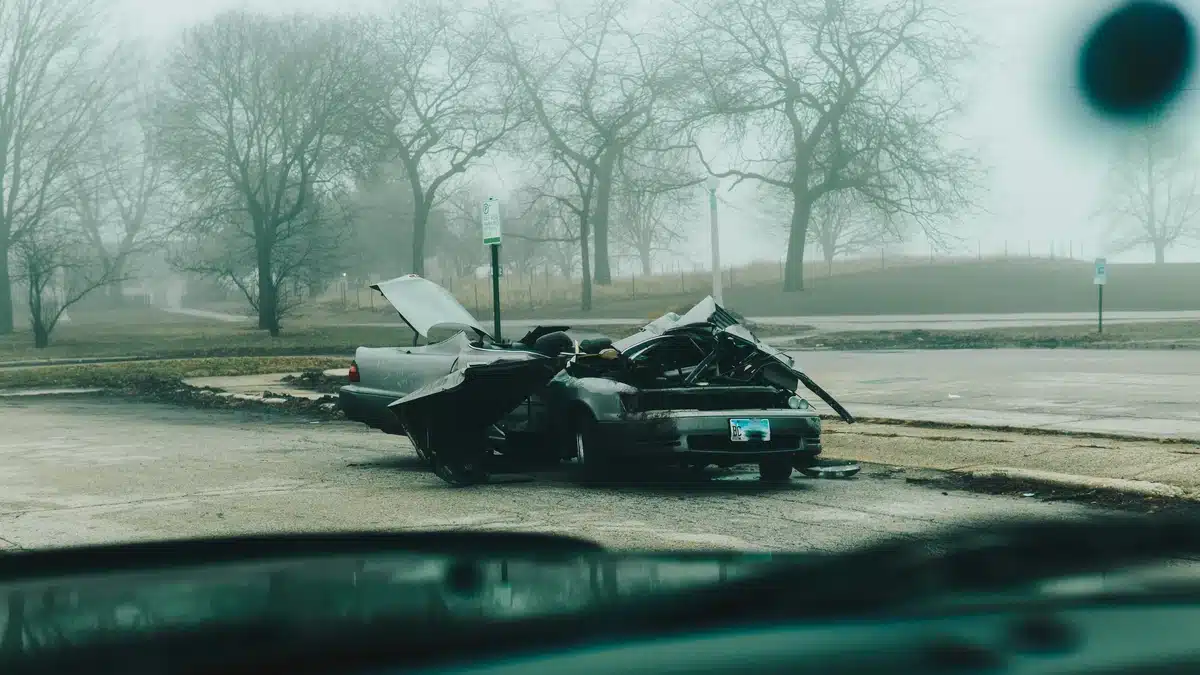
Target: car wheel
x,y
775,469
588,453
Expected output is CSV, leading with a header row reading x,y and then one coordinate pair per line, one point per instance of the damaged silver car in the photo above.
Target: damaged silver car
x,y
694,390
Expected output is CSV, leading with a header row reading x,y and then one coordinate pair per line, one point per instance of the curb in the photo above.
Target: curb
x,y
1028,431
34,393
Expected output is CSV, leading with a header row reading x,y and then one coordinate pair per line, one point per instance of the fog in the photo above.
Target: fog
x,y
1045,176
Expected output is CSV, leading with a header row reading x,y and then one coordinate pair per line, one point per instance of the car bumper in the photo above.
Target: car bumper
x,y
369,406
707,434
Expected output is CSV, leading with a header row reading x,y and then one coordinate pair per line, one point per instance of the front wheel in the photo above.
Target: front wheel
x,y
588,452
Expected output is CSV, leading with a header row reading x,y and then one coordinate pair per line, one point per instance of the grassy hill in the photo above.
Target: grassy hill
x,y
1006,286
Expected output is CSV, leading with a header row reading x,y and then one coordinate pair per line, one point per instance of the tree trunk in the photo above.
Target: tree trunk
x,y
1160,252
793,269
647,260
41,336
828,261
585,302
6,303
604,180
268,298
420,229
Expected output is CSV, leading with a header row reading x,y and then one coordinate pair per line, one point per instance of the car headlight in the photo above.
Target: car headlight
x,y
797,403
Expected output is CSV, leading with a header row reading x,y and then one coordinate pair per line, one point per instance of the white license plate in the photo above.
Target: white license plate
x,y
749,429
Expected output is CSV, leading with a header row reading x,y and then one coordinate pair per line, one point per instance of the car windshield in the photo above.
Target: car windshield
x,y
761,276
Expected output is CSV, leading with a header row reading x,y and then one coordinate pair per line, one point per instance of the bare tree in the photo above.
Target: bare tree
x,y
445,101
1154,198
382,222
650,200
120,202
304,249
58,268
840,225
54,89
259,122
840,95
571,187
594,85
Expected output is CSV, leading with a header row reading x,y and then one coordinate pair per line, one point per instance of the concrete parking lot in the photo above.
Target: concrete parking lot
x,y
86,470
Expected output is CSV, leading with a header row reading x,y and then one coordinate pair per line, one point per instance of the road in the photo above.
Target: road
x,y
1147,393
89,470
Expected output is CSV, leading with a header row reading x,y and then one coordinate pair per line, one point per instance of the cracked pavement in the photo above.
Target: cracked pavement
x,y
85,470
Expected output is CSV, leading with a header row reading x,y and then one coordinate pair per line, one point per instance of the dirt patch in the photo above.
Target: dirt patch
x,y
158,389
1047,492
316,380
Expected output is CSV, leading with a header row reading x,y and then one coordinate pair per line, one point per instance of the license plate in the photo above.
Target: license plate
x,y
747,429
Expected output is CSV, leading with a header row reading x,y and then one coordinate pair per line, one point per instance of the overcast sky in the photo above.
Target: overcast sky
x,y
1048,160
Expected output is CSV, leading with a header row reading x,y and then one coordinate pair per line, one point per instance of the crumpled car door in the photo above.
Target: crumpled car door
x,y
451,415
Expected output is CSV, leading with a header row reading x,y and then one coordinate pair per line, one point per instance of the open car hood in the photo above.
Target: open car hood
x,y
707,313
425,305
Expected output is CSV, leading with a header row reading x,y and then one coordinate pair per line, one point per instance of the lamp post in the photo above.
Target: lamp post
x,y
712,184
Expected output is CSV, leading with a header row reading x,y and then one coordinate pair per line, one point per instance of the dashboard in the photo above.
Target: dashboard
x,y
1120,639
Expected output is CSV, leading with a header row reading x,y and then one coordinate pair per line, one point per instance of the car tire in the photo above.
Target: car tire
x,y
775,469
588,452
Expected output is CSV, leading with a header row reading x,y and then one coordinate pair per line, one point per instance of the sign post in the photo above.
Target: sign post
x,y
491,238
1100,279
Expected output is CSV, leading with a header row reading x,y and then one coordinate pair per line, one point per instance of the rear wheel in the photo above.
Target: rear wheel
x,y
775,469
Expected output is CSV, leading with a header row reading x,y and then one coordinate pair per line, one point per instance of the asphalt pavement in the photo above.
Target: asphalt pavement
x,y
90,470
1148,393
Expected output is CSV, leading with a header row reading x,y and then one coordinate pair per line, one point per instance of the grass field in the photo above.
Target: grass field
x,y
146,332
119,375
985,287
151,333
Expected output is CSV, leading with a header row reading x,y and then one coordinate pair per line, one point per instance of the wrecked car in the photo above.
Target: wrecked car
x,y
694,390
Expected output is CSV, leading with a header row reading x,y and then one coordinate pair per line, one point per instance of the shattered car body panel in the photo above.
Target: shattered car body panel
x,y
683,389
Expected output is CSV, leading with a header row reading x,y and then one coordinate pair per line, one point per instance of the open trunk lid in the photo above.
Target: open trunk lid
x,y
425,305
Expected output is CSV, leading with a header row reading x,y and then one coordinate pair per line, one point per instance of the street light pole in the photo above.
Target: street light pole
x,y
712,185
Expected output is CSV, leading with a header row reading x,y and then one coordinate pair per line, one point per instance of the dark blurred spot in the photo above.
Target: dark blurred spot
x,y
950,654
465,578
1137,59
1044,634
